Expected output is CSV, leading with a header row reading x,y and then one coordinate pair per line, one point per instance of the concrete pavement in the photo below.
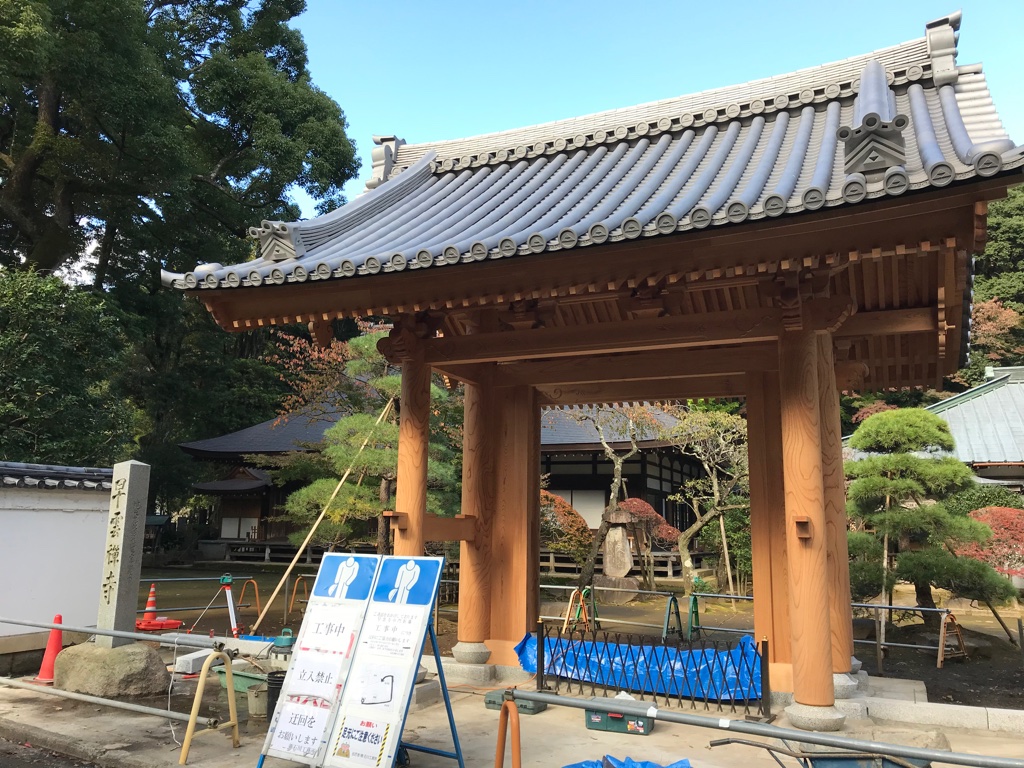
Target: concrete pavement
x,y
113,738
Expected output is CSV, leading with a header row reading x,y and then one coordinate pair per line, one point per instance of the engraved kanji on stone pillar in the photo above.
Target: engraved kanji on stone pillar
x,y
122,555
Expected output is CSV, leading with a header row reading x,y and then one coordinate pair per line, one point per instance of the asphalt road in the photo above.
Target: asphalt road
x,y
26,756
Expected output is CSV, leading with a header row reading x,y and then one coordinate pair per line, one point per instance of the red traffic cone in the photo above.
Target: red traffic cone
x,y
53,647
150,613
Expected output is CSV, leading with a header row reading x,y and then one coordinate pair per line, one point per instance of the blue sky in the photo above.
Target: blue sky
x,y
435,69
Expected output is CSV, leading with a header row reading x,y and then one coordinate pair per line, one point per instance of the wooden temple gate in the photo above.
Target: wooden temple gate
x,y
790,240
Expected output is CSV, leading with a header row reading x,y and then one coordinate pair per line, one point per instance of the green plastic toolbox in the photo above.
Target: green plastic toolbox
x,y
495,699
610,721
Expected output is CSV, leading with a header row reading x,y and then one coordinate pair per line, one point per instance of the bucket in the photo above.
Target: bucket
x,y
275,680
257,700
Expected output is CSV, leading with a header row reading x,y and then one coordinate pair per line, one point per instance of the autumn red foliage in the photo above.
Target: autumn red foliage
x,y
1005,550
562,528
656,525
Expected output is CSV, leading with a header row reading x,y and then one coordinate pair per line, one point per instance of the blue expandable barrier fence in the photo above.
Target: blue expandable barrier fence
x,y
614,762
702,674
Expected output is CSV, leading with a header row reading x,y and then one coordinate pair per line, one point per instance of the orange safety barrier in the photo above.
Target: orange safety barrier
x,y
256,591
509,712
300,579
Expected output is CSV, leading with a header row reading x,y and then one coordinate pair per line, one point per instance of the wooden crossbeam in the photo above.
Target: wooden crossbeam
x,y
630,366
641,391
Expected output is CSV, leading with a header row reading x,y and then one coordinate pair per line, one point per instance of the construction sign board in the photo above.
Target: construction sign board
x,y
371,716
322,657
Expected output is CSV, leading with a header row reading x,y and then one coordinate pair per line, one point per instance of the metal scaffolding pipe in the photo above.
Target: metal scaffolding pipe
x,y
162,611
770,731
182,641
209,722
193,578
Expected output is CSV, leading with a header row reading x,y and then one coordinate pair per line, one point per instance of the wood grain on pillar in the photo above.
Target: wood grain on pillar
x,y
413,444
515,531
478,477
768,523
838,555
805,519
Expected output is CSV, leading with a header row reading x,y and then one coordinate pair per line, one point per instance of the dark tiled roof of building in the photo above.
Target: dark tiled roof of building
x,y
562,429
878,125
54,477
559,430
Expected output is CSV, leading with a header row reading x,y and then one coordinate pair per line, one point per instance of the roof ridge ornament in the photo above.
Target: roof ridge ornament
x,y
874,143
383,157
279,240
942,35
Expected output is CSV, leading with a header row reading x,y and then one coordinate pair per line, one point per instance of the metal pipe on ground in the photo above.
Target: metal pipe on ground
x,y
769,731
182,641
164,713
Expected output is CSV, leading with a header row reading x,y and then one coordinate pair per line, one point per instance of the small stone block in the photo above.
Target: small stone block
x,y
810,718
425,694
926,713
191,663
1011,720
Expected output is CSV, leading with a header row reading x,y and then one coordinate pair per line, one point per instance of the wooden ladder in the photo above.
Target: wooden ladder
x,y
957,651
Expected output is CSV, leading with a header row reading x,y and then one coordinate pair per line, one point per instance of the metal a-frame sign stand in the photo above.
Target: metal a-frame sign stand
x,y
346,695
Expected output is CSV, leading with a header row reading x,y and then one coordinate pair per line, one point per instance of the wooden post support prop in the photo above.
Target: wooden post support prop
x,y
122,559
322,657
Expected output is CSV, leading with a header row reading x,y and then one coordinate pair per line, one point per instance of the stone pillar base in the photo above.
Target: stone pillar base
x,y
855,665
471,653
809,718
844,686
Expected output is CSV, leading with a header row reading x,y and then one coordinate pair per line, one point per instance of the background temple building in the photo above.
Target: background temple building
x,y
772,241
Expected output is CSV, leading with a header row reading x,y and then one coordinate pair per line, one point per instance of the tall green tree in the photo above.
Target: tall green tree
x,y
897,493
58,346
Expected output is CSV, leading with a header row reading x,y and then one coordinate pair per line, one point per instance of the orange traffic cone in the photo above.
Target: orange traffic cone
x,y
53,646
150,613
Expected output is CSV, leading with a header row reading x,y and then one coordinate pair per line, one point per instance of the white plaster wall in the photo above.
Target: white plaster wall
x,y
51,556
590,504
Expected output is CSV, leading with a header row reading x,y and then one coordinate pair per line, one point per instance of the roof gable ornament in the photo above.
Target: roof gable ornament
x,y
874,144
383,157
942,35
278,240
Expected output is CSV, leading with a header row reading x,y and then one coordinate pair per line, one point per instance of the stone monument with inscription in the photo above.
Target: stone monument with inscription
x,y
112,666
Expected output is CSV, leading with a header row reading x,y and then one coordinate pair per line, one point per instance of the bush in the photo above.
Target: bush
x,y
563,529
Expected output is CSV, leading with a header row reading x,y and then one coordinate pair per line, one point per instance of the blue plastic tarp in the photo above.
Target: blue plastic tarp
x,y
705,674
614,762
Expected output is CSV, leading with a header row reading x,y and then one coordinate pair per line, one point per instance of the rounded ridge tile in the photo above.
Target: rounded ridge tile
x,y
451,254
276,276
736,211
347,268
781,101
915,72
732,111
665,223
774,205
685,120
478,251
813,198
988,163
536,243
322,271
372,265
700,217
398,262
665,123
855,189
642,128
255,278
710,115
832,90
560,144
299,274
621,132
896,181
507,247
567,238
632,228
598,233
232,280
941,173
757,106
600,136
424,258
806,95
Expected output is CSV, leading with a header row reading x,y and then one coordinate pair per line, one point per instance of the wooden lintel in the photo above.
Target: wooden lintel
x,y
893,321
645,391
740,327
632,366
458,528
399,520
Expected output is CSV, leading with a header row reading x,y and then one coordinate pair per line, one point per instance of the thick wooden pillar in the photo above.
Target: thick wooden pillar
x,y
515,531
805,519
478,482
838,556
413,443
768,525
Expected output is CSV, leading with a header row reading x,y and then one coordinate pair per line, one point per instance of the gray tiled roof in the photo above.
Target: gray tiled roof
x,y
15,474
987,421
558,428
877,125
